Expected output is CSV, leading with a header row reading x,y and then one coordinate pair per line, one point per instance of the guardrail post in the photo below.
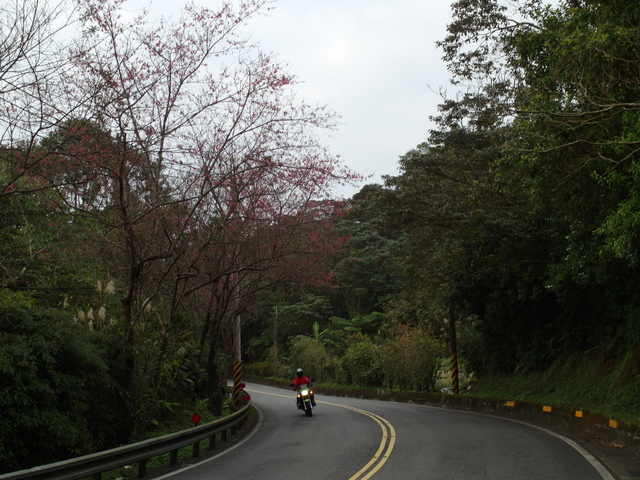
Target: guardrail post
x,y
212,442
223,435
196,449
142,468
97,476
173,458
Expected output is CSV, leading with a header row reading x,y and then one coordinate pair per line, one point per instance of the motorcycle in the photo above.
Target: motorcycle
x,y
304,399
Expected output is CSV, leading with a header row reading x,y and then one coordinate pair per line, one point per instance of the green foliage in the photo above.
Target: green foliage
x,y
261,369
45,254
56,392
300,315
592,381
371,323
371,272
406,358
310,355
410,358
361,362
521,211
169,375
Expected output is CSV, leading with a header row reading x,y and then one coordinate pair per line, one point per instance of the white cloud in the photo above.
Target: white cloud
x,y
374,62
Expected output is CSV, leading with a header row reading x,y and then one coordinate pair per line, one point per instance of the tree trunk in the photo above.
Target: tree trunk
x,y
129,358
453,342
215,387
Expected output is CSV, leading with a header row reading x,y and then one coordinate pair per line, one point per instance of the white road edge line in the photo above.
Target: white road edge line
x,y
224,452
602,470
595,463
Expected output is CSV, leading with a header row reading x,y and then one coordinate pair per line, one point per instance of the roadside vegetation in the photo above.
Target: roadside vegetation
x,y
579,381
154,189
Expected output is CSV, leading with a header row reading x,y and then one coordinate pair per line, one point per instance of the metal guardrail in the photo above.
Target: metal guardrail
x,y
97,463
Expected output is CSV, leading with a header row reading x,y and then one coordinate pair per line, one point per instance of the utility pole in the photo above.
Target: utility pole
x,y
237,347
237,360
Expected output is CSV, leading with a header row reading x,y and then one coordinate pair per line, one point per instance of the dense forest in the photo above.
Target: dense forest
x,y
159,182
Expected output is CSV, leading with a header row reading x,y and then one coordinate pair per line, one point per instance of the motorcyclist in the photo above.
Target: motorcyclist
x,y
302,379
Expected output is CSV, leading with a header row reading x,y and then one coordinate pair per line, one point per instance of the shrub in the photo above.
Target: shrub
x,y
309,354
261,369
362,362
410,358
56,394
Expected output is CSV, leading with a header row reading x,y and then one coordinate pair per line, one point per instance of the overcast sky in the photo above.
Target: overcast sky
x,y
373,62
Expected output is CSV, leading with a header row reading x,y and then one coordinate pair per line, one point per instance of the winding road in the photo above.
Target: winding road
x,y
352,439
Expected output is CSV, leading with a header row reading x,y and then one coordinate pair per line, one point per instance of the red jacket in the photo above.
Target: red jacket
x,y
300,381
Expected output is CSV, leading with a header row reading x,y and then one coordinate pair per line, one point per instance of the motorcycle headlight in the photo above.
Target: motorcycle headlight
x,y
304,392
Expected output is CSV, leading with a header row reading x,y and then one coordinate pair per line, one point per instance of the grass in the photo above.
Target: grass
x,y
582,381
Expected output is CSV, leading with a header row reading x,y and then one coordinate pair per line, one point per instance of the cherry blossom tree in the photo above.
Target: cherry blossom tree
x,y
205,146
35,37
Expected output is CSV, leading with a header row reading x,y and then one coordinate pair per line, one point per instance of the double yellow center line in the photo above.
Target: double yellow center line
x,y
387,441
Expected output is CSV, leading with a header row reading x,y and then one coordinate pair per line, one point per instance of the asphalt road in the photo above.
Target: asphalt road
x,y
351,439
